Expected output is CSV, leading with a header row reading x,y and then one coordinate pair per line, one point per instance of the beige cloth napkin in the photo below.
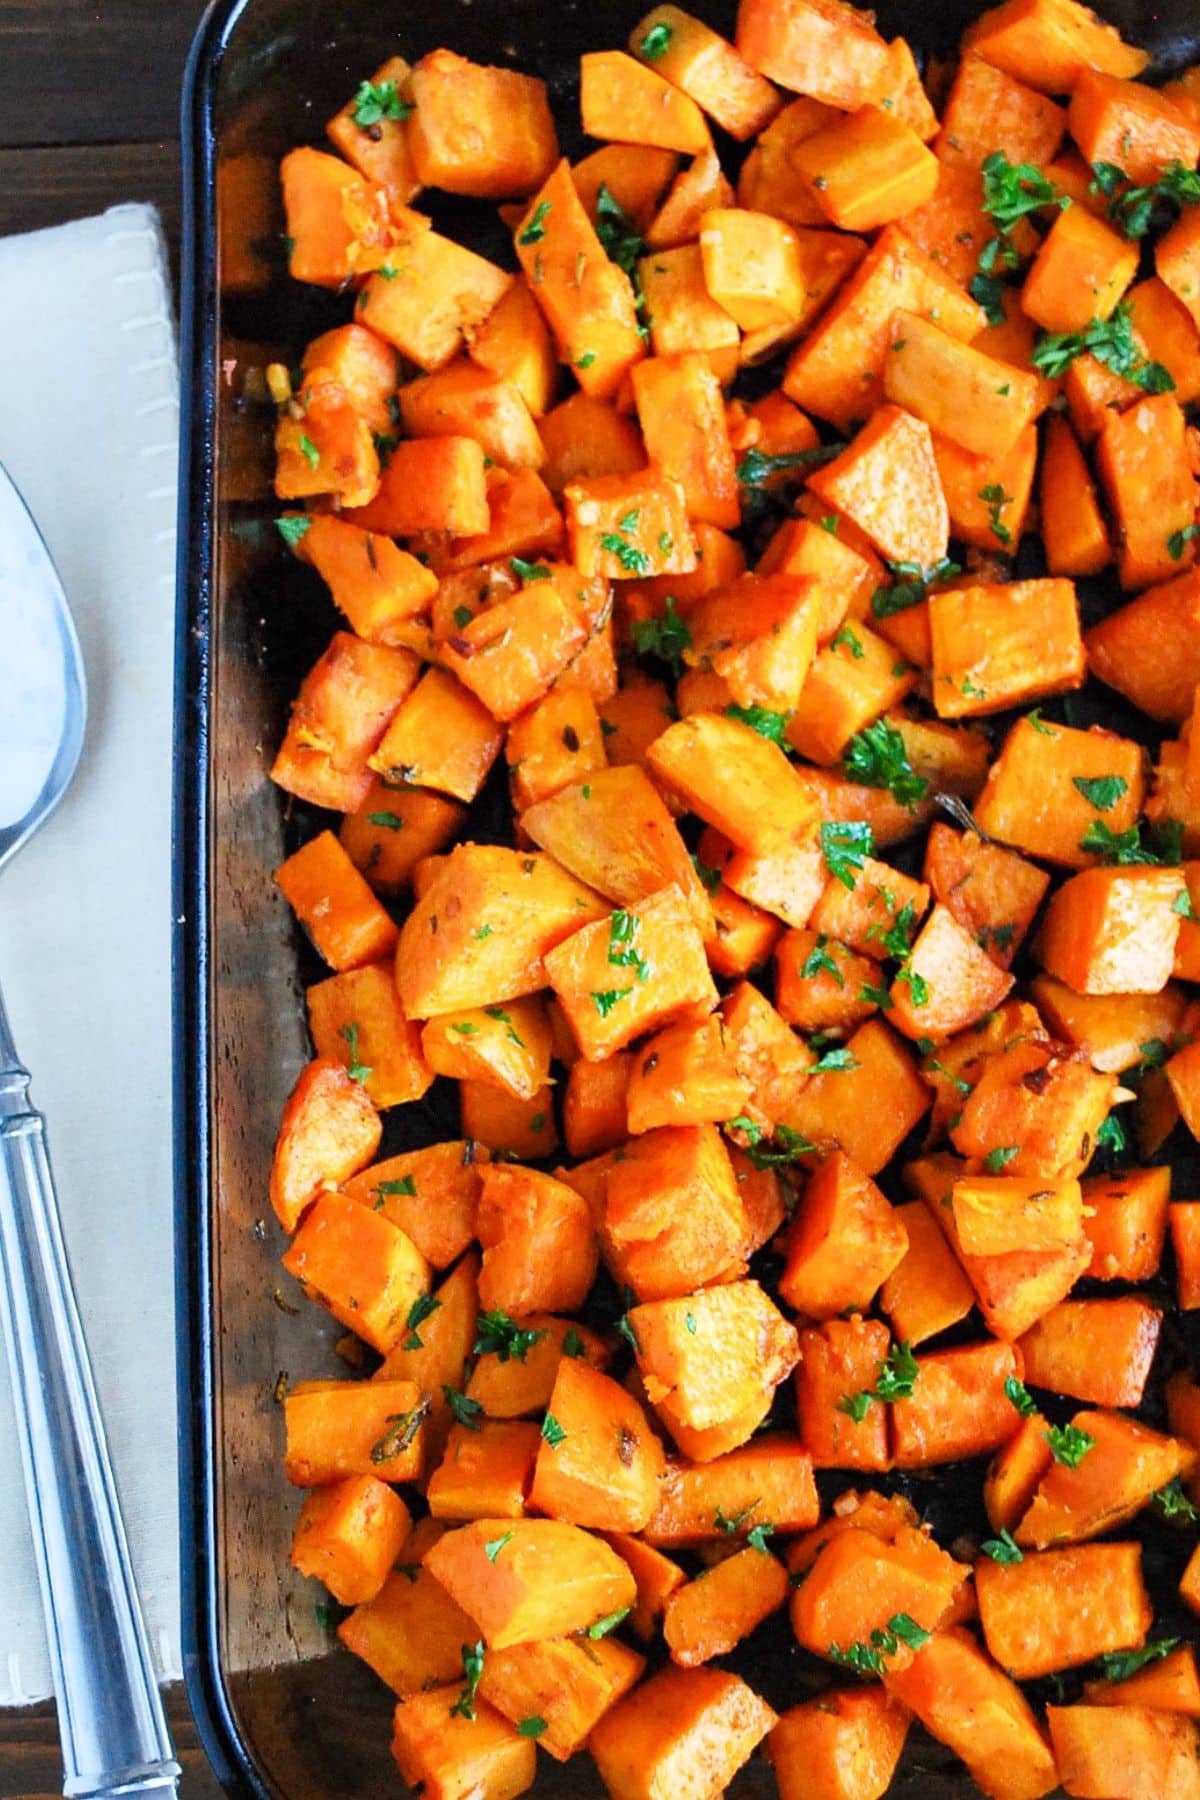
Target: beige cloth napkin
x,y
88,430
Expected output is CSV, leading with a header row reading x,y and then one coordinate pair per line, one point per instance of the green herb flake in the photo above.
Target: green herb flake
x,y
402,1184
467,1412
387,821
768,724
1101,791
1119,1665
1178,539
656,42
496,1334
535,231
1000,1157
309,451
607,998
819,961
1019,1396
528,571
1003,1549
552,1432
472,1661
292,529
532,1727
667,637
622,929
422,1308
357,1071
376,101
845,846
1068,1444
586,360
493,1548
1111,342
898,1374
608,1623
876,757
848,640
1173,1503
834,1061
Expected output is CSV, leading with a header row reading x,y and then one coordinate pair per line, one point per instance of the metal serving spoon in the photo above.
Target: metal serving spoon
x,y
114,1736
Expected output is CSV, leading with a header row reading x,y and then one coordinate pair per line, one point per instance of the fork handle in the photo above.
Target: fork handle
x,y
113,1732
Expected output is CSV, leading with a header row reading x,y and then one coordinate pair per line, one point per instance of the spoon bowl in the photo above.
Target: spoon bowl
x,y
43,691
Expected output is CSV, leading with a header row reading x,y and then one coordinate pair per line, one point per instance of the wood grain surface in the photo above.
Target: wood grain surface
x,y
89,115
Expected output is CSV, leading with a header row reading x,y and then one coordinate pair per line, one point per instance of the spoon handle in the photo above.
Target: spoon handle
x,y
114,1735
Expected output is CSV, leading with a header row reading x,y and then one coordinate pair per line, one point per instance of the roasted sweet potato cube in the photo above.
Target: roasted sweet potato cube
x,y
360,1267
869,1105
927,1290
774,1059
1119,649
1014,1473
947,982
630,103
1031,1631
441,737
1169,1684
486,1470
1132,125
599,1463
338,222
961,392
614,833
786,880
685,1075
760,634
567,1683
682,313
859,1582
1095,1350
378,586
357,1018
845,1745
996,646
958,1406
445,1756
514,343
965,1701
993,893
464,400
887,482
836,372
446,960
510,1598
329,1129
865,169
511,653
624,976
682,415
588,303
734,779
770,1480
622,526
738,1329
1036,795
752,267
817,47
1079,274
411,1634
334,904
850,684
488,133
509,1046
840,1360
680,1727
636,176
997,1213
707,68
1114,930
1131,1749
845,1241
1144,471
1035,1111
711,1614
380,150
1122,1468
673,1217
342,710
1177,261
393,829
521,1128
1125,1223
539,1245
339,1428
349,1534
430,1193
430,293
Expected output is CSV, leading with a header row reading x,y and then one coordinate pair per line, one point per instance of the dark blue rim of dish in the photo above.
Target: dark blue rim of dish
x,y
207,1691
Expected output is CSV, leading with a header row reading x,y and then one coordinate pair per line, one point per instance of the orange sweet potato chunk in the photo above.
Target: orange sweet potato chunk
x,y
845,1241
328,1131
685,1731
1057,1609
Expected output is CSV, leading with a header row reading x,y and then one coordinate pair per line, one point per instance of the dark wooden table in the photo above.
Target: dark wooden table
x,y
89,105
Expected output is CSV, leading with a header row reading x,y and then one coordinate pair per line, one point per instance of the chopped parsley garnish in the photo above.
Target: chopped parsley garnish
x,y
1111,342
1003,1549
846,845
1068,1444
532,1727
667,637
496,1334
552,1432
608,1623
819,961
786,1146
1135,211
1000,1157
911,587
502,1018
735,1523
1119,1665
756,1537
402,1429
656,41
988,291
868,1659
877,758
402,1184
768,724
1013,190
1101,791
897,1374
387,821
757,466
834,1060
1018,1395
293,529
631,559
422,1308
309,451
1116,846
472,1661
622,929
996,500
528,571
357,1071
535,231
467,1412
622,243
1173,1503
857,1406
848,640
1178,539
493,1548
379,100
918,987
573,1344
710,879
607,998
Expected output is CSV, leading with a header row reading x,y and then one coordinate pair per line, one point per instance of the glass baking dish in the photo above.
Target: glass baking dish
x,y
282,1710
